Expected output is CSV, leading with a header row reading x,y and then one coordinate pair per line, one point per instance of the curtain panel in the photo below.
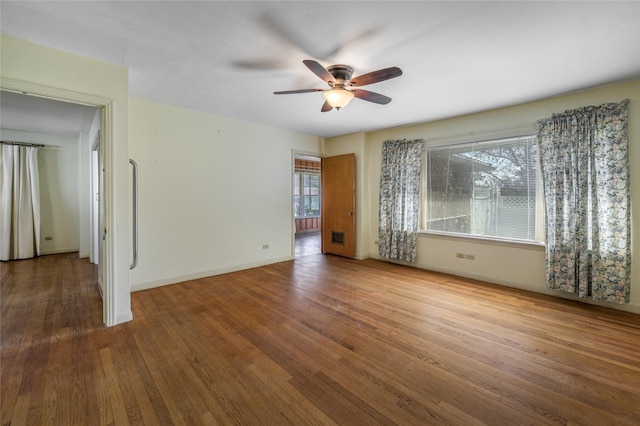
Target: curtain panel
x,y
400,199
585,168
19,203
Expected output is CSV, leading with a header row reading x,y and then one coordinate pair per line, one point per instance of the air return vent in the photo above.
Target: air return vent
x,y
337,237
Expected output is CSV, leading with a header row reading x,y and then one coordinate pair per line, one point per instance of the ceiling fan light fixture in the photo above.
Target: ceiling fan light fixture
x,y
338,97
338,77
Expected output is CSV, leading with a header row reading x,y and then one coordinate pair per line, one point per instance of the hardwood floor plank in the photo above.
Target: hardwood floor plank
x,y
20,412
112,408
320,340
136,397
302,410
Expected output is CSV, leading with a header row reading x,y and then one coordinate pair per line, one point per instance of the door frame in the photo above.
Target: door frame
x,y
97,206
95,189
105,105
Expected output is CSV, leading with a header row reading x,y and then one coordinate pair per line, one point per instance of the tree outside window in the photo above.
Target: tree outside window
x,y
490,188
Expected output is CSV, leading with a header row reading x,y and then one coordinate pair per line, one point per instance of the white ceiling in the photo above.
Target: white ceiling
x,y
46,116
227,58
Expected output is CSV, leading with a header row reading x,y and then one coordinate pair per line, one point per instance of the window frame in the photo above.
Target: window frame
x,y
300,174
502,240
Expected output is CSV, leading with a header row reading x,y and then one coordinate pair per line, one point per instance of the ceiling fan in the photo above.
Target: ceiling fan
x,y
343,88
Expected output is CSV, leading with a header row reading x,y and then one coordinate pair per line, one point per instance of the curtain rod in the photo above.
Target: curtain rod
x,y
38,145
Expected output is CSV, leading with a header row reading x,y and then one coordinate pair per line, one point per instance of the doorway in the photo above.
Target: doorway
x,y
69,132
307,193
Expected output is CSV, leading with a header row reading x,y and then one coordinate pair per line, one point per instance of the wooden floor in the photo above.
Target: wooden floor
x,y
320,340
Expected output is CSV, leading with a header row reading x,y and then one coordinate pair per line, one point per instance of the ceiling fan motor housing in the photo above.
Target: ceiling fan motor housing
x,y
342,73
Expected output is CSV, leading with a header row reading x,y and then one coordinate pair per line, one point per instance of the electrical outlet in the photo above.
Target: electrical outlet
x,y
265,246
471,257
460,255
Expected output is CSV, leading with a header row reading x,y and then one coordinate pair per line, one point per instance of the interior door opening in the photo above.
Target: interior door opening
x,y
307,201
69,167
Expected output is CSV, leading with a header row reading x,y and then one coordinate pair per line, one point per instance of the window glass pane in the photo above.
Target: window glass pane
x,y
296,184
314,205
486,188
296,206
306,184
449,180
315,185
306,194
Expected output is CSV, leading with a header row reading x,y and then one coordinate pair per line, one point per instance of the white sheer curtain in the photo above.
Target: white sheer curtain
x,y
19,202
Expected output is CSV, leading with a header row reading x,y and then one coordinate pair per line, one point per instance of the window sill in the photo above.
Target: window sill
x,y
521,244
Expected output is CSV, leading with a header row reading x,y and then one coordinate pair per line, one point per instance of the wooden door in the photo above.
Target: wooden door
x,y
338,205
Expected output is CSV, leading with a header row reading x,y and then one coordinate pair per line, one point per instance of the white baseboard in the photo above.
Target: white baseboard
x,y
124,317
628,307
60,251
210,273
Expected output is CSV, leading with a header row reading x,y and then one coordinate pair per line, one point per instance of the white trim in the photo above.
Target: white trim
x,y
28,88
126,317
204,274
628,307
109,269
509,242
59,251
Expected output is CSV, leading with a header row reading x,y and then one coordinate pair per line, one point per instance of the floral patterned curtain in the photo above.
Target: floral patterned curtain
x,y
400,199
585,169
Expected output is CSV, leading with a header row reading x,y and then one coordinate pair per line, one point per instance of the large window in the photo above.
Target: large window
x,y
491,189
306,194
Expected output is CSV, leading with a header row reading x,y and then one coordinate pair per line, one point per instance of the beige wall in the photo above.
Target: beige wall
x,y
212,192
503,263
